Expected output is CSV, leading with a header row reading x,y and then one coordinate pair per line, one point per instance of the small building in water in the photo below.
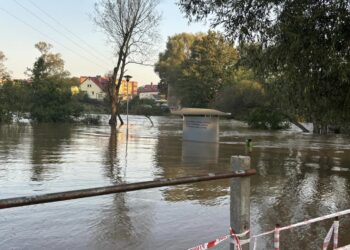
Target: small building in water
x,y
201,125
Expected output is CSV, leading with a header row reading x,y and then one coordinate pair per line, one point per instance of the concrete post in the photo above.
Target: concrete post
x,y
240,198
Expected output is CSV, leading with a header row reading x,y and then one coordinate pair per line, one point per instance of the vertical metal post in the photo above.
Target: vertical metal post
x,y
127,78
127,109
240,199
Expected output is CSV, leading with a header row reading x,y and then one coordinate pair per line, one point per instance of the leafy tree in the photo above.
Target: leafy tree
x,y
170,62
4,74
130,26
241,97
50,94
51,101
302,52
178,49
197,66
48,64
163,88
14,100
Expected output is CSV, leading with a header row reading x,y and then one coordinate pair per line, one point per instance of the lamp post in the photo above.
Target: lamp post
x,y
127,78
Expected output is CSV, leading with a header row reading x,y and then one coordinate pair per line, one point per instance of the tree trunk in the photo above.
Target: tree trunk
x,y
121,120
114,102
299,125
296,123
113,96
114,110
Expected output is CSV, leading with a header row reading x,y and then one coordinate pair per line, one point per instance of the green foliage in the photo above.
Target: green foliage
x,y
91,120
52,101
178,49
145,107
48,64
240,99
91,106
47,97
4,74
302,51
163,87
267,119
14,98
197,66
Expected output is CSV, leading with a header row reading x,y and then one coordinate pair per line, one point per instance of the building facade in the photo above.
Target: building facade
x,y
149,91
126,88
94,87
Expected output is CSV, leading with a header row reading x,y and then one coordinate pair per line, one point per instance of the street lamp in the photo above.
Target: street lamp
x,y
127,78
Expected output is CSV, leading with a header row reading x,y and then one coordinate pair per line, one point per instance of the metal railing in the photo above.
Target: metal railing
x,y
90,192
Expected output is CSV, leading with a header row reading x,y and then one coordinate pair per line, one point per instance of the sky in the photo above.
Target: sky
x,y
68,26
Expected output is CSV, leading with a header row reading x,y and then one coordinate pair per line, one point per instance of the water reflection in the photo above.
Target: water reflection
x,y
11,136
120,226
199,152
295,189
183,158
111,160
48,143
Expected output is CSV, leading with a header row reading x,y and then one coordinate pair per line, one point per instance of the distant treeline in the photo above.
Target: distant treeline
x,y
47,96
266,85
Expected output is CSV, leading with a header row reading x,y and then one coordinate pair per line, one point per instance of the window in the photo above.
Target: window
x,y
92,92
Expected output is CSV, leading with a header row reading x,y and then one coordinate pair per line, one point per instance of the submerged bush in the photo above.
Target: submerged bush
x,y
267,119
91,120
13,100
52,101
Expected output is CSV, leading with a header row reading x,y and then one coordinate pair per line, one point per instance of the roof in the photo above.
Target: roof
x,y
198,111
101,82
149,88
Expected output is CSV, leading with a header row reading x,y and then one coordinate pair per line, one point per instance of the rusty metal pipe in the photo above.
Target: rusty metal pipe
x,y
89,192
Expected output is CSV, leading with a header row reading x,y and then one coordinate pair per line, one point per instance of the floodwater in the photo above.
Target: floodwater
x,y
300,176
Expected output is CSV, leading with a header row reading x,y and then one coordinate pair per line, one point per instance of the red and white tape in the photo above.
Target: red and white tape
x,y
304,223
276,238
332,231
344,248
276,232
237,241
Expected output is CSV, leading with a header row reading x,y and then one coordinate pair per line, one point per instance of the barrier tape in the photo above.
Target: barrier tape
x,y
344,248
255,237
254,244
336,233
236,241
332,231
219,240
328,238
276,238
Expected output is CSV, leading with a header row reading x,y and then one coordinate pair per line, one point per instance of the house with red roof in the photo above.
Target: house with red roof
x,y
149,91
94,87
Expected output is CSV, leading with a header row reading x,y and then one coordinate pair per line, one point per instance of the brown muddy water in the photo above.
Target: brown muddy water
x,y
300,176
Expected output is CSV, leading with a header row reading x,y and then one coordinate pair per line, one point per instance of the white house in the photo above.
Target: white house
x,y
149,91
94,87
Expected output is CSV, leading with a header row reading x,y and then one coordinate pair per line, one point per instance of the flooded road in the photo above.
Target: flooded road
x,y
300,176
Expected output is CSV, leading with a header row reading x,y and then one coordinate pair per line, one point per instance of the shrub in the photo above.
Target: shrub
x,y
267,119
52,101
239,99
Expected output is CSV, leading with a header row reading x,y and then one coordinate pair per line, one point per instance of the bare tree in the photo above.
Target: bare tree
x,y
131,27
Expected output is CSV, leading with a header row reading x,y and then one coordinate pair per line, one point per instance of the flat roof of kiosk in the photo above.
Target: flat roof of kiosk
x,y
199,112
